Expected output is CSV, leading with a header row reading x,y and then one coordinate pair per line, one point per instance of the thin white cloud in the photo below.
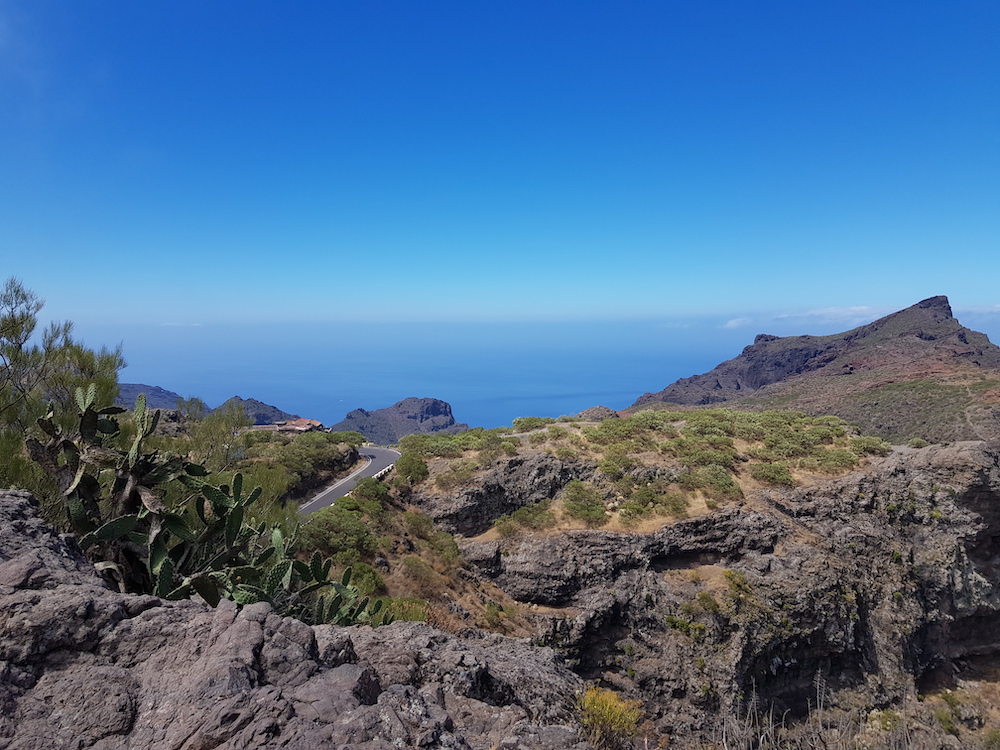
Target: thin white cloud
x,y
977,310
180,325
855,315
738,323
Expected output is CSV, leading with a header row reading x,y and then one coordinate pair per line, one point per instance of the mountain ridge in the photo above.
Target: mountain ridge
x,y
161,398
887,376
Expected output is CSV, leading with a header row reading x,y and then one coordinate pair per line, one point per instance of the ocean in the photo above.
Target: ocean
x,y
490,373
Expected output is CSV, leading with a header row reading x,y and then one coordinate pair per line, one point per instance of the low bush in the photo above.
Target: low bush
x,y
458,472
339,532
422,576
408,609
870,446
412,468
836,460
418,524
535,516
773,474
609,720
527,424
714,481
583,502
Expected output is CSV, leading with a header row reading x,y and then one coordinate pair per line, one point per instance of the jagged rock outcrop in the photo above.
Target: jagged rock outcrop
x,y
597,414
83,666
503,488
554,570
387,426
258,411
872,586
915,373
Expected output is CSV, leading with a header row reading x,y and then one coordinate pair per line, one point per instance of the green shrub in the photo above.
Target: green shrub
x,y
446,548
492,614
412,468
631,511
870,446
921,443
992,739
506,526
527,424
609,720
338,532
672,504
537,438
836,459
695,630
774,474
946,718
510,445
457,473
611,469
583,501
408,609
535,516
369,488
707,601
418,524
713,480
366,579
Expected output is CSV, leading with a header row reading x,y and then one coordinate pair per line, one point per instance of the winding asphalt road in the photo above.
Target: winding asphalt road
x,y
377,459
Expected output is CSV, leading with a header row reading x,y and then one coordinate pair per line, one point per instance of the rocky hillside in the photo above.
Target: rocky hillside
x,y
839,609
260,412
406,417
160,398
156,397
915,373
84,666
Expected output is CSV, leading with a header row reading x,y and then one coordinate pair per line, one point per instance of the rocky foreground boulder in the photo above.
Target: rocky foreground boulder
x,y
82,666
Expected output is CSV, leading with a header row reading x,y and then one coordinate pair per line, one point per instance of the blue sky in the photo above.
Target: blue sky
x,y
173,173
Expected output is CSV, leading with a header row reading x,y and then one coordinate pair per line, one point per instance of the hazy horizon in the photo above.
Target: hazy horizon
x,y
489,373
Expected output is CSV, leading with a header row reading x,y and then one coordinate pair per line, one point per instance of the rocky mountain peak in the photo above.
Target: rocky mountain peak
x,y
921,356
388,425
260,412
936,303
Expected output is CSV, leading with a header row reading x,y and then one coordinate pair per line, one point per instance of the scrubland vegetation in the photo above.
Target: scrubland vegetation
x,y
654,462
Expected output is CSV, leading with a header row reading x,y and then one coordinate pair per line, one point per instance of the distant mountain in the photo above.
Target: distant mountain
x,y
160,398
387,426
915,373
156,397
260,412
